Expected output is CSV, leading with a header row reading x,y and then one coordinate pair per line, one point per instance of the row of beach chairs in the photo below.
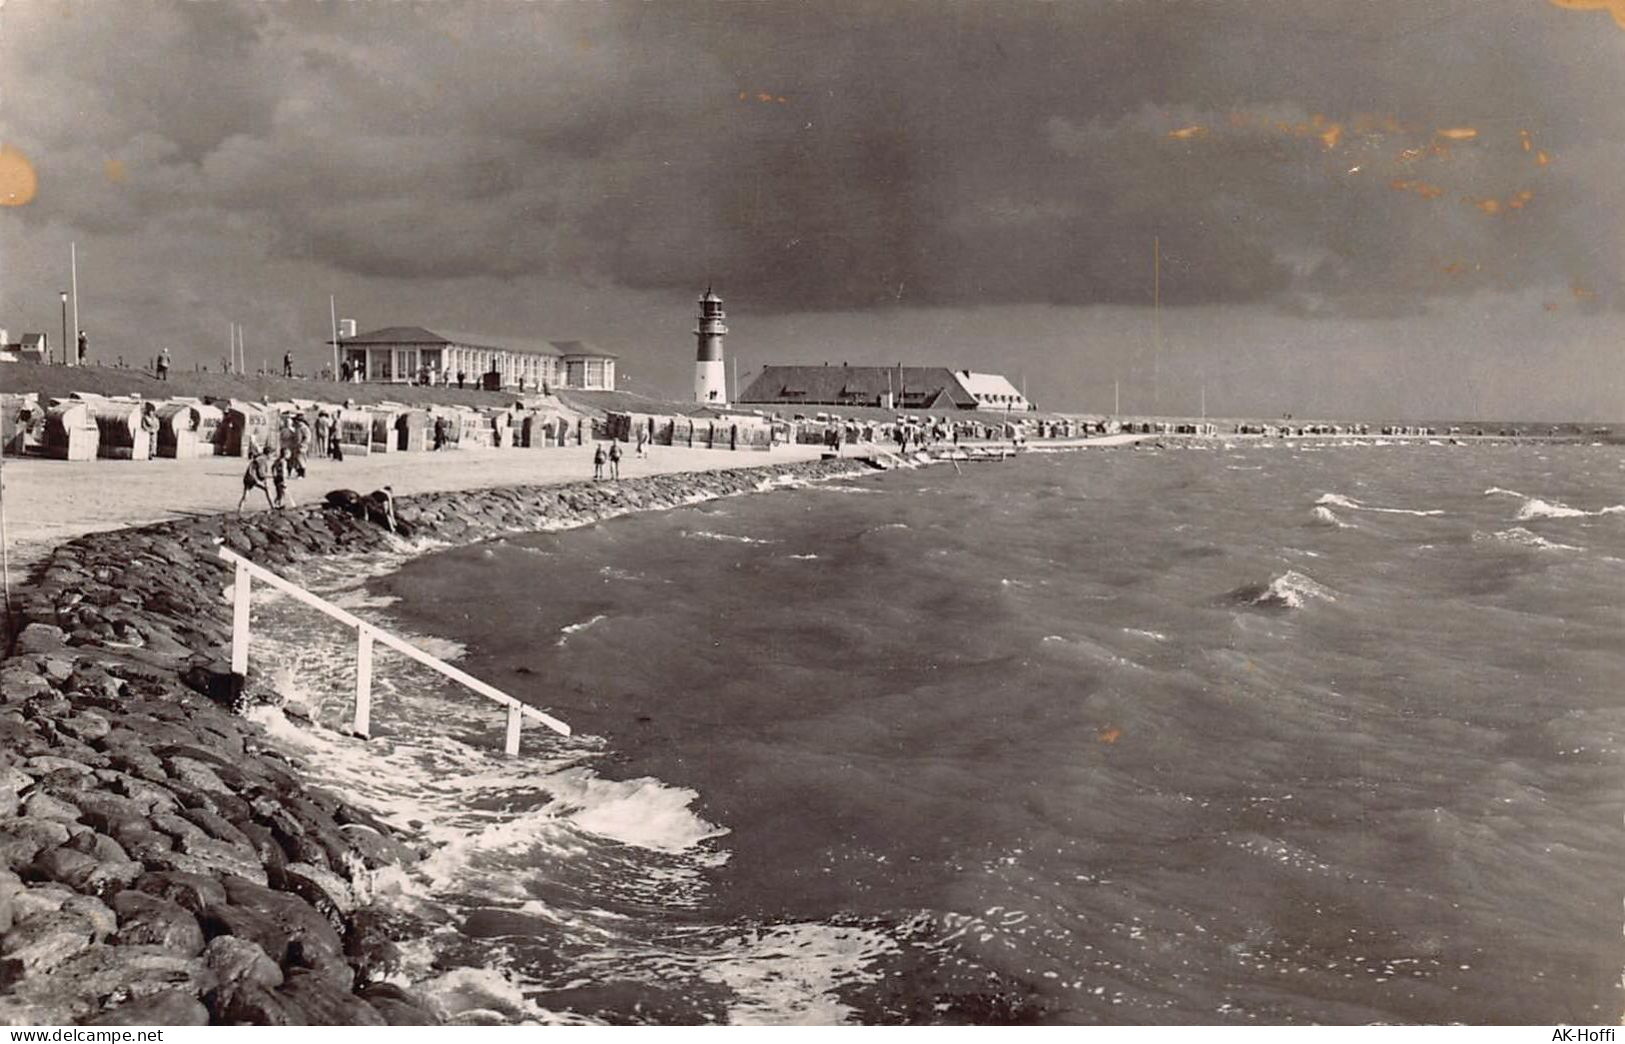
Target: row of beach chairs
x,y
85,427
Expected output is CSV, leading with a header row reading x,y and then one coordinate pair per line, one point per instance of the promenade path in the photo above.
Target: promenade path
x,y
48,502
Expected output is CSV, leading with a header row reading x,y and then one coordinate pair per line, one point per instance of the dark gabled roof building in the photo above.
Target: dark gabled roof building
x,y
891,387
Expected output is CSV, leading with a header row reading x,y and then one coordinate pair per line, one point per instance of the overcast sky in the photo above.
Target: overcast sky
x,y
1381,207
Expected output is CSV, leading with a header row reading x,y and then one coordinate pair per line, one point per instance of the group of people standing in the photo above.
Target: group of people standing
x,y
268,471
612,458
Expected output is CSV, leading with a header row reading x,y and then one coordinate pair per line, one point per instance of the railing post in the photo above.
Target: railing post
x,y
239,620
363,682
514,717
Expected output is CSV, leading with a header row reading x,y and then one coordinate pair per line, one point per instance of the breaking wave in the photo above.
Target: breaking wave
x,y
1535,507
1521,537
1349,503
705,534
1325,516
576,628
1290,590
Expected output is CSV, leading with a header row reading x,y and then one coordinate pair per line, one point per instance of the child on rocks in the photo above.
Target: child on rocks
x,y
254,477
279,478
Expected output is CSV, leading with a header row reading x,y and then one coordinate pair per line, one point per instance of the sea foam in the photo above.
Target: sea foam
x,y
1536,508
1290,590
1521,537
1325,516
1349,503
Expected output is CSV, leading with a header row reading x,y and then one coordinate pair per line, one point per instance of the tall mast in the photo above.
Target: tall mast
x,y
333,317
1156,323
73,261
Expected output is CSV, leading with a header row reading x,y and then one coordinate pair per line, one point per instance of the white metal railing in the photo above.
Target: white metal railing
x,y
366,635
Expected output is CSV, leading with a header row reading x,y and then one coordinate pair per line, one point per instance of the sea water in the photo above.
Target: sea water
x,y
1247,734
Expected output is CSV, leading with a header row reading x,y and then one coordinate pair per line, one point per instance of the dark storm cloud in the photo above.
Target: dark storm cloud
x,y
859,156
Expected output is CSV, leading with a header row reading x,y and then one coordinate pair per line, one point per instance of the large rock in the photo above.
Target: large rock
x,y
251,1004
101,809
196,774
217,827
175,1007
322,1004
82,872
46,764
266,849
235,961
397,1006
147,920
127,754
62,864
19,683
22,839
87,726
248,924
238,859
43,943
327,892
112,975
370,941
197,852
40,805
376,848
99,846
41,638
194,893
38,899
306,930
100,917
142,841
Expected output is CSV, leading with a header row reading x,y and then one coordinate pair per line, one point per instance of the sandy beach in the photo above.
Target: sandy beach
x,y
49,501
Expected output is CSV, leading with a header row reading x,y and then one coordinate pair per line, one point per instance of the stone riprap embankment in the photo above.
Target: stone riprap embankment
x,y
159,862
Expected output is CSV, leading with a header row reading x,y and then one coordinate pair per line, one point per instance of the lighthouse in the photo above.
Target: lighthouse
x,y
710,378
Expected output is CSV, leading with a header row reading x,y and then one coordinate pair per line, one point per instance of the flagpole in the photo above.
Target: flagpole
x,y
73,262
1156,323
333,314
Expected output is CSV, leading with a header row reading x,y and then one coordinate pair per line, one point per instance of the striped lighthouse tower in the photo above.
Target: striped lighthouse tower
x,y
710,379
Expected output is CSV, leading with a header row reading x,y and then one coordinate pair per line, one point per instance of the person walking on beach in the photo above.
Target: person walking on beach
x,y
287,364
321,431
163,365
460,378
440,433
643,440
279,479
255,477
335,451
301,445
615,461
598,463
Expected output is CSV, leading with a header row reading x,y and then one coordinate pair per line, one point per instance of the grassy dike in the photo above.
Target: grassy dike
x,y
159,862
